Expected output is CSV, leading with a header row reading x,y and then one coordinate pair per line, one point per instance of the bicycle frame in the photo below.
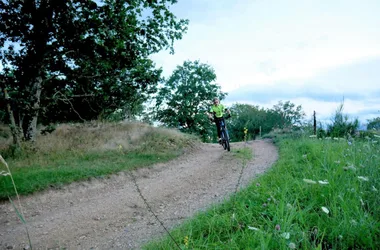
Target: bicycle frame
x,y
223,127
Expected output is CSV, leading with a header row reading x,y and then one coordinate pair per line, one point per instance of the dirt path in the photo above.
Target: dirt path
x,y
109,213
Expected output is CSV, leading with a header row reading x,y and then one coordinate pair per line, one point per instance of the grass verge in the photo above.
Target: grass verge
x,y
77,153
321,194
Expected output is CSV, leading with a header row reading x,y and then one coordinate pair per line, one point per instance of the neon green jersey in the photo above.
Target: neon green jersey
x,y
218,110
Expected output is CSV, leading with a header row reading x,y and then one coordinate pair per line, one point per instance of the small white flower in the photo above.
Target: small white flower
x,y
286,235
309,181
292,245
3,173
362,202
363,178
253,228
324,209
325,182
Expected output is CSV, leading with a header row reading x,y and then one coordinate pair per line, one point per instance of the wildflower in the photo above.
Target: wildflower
x,y
349,167
186,241
286,235
363,178
277,227
253,228
362,202
309,181
325,182
292,245
324,209
3,173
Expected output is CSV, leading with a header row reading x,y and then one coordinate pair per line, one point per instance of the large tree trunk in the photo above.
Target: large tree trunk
x,y
14,129
30,119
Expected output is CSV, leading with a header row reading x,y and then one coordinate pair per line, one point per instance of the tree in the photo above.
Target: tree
x,y
188,92
341,126
62,51
290,115
374,124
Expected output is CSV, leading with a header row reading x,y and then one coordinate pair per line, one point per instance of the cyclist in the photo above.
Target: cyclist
x,y
217,113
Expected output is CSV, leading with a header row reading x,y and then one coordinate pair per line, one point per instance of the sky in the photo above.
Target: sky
x,y
314,53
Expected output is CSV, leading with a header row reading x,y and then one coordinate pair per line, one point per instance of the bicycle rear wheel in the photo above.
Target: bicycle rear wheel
x,y
227,143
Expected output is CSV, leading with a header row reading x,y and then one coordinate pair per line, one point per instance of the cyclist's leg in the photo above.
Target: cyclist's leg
x,y
217,123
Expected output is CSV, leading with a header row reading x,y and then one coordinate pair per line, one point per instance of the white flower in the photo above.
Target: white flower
x,y
309,181
292,245
286,235
325,182
363,178
3,173
324,209
253,228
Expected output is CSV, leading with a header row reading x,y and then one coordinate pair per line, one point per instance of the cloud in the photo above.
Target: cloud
x,y
356,83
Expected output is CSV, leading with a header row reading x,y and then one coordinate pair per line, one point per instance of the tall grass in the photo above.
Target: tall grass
x,y
321,194
78,152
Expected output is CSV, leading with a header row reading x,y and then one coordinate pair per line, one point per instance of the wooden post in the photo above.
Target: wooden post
x,y
315,123
260,131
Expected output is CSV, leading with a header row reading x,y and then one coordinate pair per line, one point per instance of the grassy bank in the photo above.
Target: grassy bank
x,y
79,152
321,194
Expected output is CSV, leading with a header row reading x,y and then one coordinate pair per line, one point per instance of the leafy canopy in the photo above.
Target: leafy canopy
x,y
86,56
185,97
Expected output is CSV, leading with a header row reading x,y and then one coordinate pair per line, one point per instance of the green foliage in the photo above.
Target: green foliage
x,y
341,126
86,58
186,96
48,129
282,115
290,114
374,124
321,194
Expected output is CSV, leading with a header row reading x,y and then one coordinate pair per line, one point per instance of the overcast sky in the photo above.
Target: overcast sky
x,y
312,53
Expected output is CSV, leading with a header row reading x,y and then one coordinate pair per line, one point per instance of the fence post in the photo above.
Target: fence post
x,y
315,123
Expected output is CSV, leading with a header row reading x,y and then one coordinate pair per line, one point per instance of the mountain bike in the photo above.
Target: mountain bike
x,y
225,138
